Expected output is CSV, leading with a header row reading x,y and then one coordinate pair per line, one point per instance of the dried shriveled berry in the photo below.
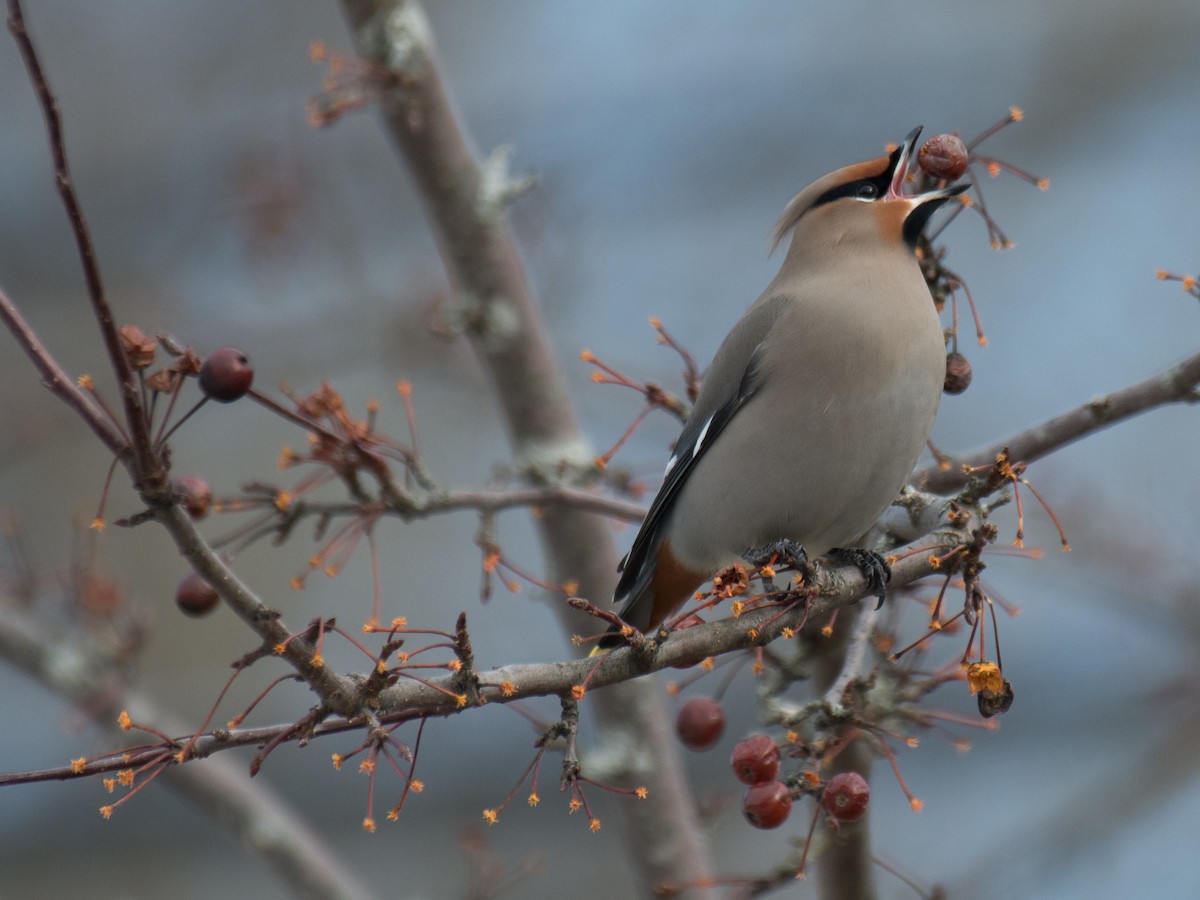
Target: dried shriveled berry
x,y
138,348
226,375
944,156
995,703
195,494
700,723
846,796
164,381
755,759
767,804
958,373
195,596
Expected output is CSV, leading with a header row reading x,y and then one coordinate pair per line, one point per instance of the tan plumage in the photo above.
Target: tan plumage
x,y
818,402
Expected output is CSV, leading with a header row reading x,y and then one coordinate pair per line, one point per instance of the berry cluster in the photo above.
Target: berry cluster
x,y
755,761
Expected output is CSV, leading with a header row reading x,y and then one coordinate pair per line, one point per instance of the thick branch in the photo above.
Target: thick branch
x,y
1175,385
497,312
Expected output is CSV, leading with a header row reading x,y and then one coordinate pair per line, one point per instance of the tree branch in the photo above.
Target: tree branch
x,y
436,697
499,315
410,505
58,381
1174,385
148,466
337,693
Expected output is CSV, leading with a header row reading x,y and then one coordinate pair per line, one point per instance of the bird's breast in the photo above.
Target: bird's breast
x,y
852,375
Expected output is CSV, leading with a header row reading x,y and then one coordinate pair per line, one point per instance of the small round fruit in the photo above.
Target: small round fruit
x,y
700,723
958,373
755,759
994,703
846,796
767,804
195,596
195,494
944,156
226,375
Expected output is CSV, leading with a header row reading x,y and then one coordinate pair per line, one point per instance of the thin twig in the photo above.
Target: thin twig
x,y
57,380
150,473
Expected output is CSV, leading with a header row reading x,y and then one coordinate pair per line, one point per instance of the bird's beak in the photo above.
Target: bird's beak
x,y
902,157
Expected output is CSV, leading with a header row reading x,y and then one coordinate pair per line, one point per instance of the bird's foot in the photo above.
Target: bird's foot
x,y
781,552
873,566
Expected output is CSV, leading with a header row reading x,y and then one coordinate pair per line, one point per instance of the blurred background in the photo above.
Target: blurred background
x,y
666,139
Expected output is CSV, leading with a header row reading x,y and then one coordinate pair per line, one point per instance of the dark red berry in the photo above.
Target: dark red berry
x,y
195,495
195,596
755,759
846,796
994,703
958,373
767,804
943,156
226,375
700,723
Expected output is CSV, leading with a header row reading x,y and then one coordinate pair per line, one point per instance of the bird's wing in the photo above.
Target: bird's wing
x,y
733,378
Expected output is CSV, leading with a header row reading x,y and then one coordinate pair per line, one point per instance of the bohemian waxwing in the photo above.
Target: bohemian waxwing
x,y
817,404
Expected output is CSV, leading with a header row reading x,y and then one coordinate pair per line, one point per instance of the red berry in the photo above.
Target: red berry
x,y
958,373
700,723
755,759
767,804
226,375
195,494
195,596
944,156
846,796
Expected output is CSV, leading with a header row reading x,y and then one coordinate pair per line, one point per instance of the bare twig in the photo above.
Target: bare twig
x,y
414,506
150,473
58,381
856,660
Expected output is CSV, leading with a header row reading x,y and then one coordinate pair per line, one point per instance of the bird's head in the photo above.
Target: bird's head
x,y
867,198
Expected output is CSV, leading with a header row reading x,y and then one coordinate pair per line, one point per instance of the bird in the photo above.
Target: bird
x,y
817,403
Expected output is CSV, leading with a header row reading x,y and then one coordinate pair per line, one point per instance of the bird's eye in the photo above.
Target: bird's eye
x,y
868,190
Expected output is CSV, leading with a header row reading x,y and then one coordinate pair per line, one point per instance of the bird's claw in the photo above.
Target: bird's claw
x,y
781,552
873,566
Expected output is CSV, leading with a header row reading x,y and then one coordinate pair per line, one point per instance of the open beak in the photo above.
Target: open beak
x,y
903,156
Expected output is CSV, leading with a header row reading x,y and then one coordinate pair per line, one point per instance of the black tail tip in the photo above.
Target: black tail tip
x,y
610,640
